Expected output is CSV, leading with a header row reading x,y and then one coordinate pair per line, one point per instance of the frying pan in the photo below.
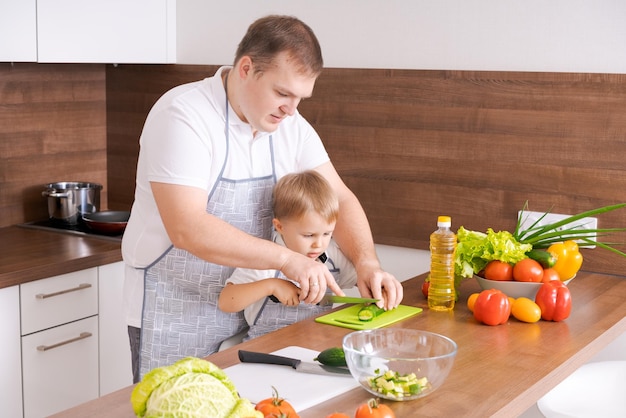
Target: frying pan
x,y
109,222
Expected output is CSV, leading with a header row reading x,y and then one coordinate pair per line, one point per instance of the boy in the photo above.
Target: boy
x,y
305,213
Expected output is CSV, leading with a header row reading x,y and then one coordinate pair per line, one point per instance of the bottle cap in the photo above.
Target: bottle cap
x,y
444,221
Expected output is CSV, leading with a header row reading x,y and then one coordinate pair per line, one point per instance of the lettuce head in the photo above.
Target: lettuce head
x,y
189,388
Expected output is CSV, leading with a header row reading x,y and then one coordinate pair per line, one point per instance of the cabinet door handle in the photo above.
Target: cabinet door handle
x,y
82,336
62,292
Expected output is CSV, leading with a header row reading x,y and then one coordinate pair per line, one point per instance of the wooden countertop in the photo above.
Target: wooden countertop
x,y
499,371
28,254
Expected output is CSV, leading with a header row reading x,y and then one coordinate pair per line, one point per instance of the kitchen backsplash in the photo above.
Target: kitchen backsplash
x,y
52,128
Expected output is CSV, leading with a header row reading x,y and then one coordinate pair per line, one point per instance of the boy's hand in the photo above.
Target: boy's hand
x,y
286,292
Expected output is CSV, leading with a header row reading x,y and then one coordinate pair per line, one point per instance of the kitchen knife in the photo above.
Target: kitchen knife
x,y
298,365
329,299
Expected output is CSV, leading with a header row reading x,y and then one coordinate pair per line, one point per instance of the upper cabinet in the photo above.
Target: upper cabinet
x,y
106,31
88,31
18,30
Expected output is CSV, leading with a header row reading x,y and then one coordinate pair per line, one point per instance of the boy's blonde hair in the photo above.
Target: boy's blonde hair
x,y
298,193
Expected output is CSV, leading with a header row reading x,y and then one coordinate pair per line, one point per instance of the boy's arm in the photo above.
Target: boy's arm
x,y
236,297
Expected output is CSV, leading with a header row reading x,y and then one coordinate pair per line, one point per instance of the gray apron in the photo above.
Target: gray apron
x,y
274,315
180,314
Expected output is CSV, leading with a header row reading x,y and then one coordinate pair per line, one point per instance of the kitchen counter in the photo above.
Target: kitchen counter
x,y
28,254
499,371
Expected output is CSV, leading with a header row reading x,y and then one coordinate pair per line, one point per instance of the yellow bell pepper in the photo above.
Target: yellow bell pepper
x,y
568,258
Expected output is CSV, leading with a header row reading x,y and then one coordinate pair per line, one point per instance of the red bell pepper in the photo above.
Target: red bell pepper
x,y
492,307
555,301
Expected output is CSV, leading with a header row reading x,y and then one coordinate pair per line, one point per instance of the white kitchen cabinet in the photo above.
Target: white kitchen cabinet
x,y
57,300
18,31
115,360
10,352
60,367
59,328
106,31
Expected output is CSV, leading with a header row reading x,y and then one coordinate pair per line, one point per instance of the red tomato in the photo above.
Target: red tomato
x,y
554,300
492,307
498,270
374,409
276,407
337,415
550,274
425,287
528,270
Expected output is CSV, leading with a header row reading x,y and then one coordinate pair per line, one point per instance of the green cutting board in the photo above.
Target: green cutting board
x,y
347,317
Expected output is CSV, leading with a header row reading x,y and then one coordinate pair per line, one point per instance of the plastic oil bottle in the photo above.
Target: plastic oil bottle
x,y
441,292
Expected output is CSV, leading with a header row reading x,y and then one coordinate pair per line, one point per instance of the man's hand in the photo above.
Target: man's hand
x,y
378,284
312,276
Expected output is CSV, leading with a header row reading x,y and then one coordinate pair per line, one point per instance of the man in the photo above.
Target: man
x,y
210,154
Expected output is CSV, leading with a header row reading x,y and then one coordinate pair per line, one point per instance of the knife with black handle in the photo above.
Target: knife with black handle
x,y
296,364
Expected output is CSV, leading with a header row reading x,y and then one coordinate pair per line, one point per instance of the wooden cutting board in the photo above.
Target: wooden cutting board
x,y
348,318
302,390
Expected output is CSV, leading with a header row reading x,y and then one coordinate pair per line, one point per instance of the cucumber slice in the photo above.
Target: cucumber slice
x,y
369,312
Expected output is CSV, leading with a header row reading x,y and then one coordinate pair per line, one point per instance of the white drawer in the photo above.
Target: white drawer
x,y
60,367
57,300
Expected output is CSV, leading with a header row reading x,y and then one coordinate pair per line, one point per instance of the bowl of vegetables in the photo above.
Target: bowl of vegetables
x,y
518,263
513,288
399,364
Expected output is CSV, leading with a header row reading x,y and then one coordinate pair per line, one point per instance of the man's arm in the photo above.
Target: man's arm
x,y
190,227
354,237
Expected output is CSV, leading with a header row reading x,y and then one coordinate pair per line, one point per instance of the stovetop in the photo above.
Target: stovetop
x,y
80,229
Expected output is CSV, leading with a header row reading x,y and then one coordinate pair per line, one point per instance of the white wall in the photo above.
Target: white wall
x,y
403,263
502,35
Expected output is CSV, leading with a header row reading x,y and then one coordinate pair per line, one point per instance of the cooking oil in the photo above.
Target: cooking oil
x,y
441,292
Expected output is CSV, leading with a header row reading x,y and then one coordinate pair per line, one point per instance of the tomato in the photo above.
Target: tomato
x,y
550,274
492,307
374,409
471,301
425,287
554,300
498,270
337,415
528,270
276,407
526,310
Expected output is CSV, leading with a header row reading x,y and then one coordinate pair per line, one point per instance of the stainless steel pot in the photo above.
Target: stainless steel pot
x,y
69,200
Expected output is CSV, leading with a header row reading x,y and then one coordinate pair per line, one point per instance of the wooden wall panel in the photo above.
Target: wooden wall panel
x,y
52,128
132,90
415,144
476,146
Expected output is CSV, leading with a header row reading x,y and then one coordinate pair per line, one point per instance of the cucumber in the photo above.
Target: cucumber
x,y
545,258
369,312
332,357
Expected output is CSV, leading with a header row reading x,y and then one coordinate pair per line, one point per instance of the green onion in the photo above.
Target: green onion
x,y
546,235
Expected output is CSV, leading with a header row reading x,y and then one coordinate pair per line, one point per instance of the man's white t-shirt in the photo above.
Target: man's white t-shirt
x,y
345,275
183,142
